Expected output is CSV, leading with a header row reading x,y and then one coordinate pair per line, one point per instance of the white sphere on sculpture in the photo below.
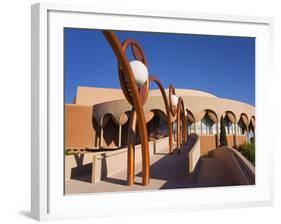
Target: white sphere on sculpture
x,y
140,72
174,100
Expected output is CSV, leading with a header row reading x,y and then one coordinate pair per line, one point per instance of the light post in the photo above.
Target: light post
x,y
178,114
136,97
134,80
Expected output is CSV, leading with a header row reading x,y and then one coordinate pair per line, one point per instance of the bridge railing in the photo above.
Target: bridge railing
x,y
241,169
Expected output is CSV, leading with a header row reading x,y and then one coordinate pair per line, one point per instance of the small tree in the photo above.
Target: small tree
x,y
223,140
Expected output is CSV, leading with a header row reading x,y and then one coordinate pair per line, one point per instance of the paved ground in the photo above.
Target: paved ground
x,y
168,172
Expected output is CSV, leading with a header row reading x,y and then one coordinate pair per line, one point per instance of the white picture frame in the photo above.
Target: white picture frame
x,y
48,200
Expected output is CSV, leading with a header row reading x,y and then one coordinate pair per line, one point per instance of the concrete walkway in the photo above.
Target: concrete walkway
x,y
212,172
168,172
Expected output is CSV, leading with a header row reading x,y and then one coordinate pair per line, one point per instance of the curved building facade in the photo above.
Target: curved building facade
x,y
98,118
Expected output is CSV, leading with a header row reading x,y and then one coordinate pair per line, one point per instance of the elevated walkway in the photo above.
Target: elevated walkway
x,y
223,168
212,172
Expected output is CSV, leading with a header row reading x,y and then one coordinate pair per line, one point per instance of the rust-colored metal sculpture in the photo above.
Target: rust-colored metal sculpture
x,y
143,93
167,107
178,114
136,96
181,125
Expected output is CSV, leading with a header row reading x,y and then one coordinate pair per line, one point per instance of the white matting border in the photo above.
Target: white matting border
x,y
48,200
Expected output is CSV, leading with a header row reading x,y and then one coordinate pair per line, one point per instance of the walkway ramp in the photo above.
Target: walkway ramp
x,y
225,167
212,172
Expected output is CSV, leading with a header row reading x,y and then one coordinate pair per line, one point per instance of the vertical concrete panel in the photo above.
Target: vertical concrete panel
x,y
78,127
230,140
241,139
207,143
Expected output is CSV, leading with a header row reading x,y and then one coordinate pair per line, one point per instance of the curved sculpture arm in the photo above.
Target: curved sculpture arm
x,y
157,81
123,62
172,92
139,55
180,108
184,120
181,114
136,49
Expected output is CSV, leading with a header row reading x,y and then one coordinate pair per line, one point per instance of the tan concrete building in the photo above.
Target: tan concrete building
x,y
98,118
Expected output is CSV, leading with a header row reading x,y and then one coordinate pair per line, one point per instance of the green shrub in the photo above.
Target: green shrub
x,y
223,139
67,153
248,150
252,140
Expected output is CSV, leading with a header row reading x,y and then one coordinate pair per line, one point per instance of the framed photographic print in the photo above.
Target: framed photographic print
x,y
148,111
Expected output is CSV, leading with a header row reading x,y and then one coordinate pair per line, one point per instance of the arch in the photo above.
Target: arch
x,y
123,119
212,114
244,118
231,116
190,116
105,119
242,124
242,128
251,129
208,122
229,121
191,127
110,136
108,129
252,123
160,113
208,128
230,128
158,126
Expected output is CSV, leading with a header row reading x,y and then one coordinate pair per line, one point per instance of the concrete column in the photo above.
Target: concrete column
x,y
174,130
235,136
101,137
218,139
247,134
94,176
120,136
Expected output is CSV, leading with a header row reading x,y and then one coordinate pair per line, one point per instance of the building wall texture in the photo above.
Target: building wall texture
x,y
79,131
207,143
230,140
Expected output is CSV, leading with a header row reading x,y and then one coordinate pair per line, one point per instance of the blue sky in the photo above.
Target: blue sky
x,y
223,66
